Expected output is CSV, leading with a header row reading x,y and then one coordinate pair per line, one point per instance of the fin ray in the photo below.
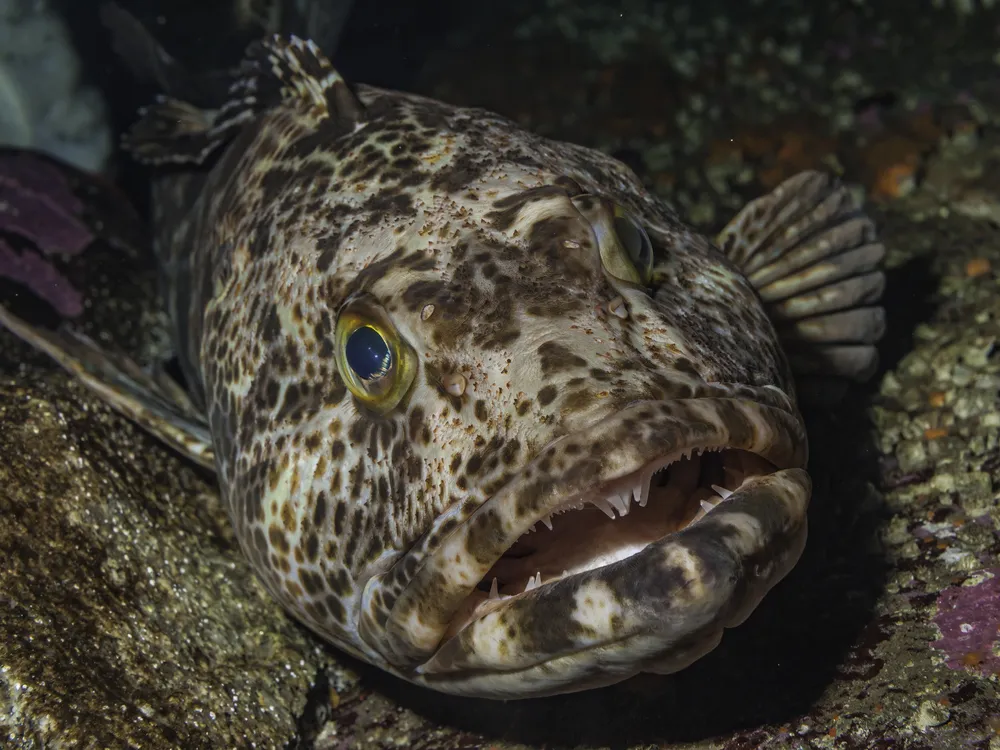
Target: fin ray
x,y
171,131
814,258
278,70
149,62
124,386
294,71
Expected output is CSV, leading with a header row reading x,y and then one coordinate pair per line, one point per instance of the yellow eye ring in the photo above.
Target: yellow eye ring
x,y
377,366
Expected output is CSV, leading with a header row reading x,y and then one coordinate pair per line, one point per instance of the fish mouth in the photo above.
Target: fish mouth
x,y
626,547
614,521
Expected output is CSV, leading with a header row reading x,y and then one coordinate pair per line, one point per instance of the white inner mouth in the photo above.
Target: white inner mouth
x,y
612,522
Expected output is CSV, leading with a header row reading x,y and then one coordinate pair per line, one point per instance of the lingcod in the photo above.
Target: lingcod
x,y
483,410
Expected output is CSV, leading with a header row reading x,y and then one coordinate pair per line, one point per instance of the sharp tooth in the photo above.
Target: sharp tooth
x,y
548,522
722,491
618,504
603,504
494,590
626,498
707,506
533,582
640,493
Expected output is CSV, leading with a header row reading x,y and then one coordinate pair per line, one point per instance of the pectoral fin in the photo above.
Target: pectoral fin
x,y
814,258
153,401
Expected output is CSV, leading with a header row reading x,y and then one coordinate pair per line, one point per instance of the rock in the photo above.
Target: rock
x,y
931,714
129,617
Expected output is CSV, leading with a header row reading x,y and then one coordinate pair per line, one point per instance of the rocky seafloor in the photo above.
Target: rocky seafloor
x,y
129,619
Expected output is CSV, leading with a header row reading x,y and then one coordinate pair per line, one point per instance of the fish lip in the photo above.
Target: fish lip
x,y
417,618
674,599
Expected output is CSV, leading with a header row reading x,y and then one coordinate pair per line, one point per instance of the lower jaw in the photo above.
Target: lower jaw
x,y
430,605
673,599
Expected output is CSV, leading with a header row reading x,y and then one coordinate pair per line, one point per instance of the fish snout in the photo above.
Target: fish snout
x,y
657,611
625,546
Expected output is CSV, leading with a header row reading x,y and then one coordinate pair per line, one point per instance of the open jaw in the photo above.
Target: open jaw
x,y
669,522
613,522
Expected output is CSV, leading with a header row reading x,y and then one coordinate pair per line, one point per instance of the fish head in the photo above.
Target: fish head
x,y
585,385
498,395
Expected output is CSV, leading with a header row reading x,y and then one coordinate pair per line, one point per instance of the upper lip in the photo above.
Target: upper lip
x,y
416,620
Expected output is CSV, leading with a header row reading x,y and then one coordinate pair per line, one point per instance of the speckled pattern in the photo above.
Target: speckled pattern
x,y
847,652
529,375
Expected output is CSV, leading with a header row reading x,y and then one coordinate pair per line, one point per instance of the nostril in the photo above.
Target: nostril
x,y
618,308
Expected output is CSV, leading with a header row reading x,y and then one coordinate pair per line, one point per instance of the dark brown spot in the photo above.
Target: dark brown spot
x,y
278,539
547,395
272,325
473,465
556,358
339,518
288,516
510,451
319,512
481,414
312,548
577,401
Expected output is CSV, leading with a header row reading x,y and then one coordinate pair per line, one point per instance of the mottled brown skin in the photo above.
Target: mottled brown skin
x,y
456,228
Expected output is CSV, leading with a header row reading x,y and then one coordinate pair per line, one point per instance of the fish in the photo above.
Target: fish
x,y
484,411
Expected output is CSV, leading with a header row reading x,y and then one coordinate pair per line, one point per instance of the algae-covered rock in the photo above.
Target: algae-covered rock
x,y
129,618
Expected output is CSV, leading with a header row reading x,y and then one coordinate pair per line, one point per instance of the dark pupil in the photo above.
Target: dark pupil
x,y
368,354
632,239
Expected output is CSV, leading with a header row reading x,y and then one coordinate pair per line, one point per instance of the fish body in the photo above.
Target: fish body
x,y
485,412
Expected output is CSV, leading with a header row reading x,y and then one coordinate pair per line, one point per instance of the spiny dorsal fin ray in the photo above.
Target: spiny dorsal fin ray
x,y
292,71
171,132
814,258
275,71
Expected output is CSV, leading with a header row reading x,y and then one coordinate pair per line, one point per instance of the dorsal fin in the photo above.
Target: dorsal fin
x,y
275,71
292,71
814,258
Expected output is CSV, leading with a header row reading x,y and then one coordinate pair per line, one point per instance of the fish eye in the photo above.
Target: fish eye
x,y
626,251
376,365
367,353
635,241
